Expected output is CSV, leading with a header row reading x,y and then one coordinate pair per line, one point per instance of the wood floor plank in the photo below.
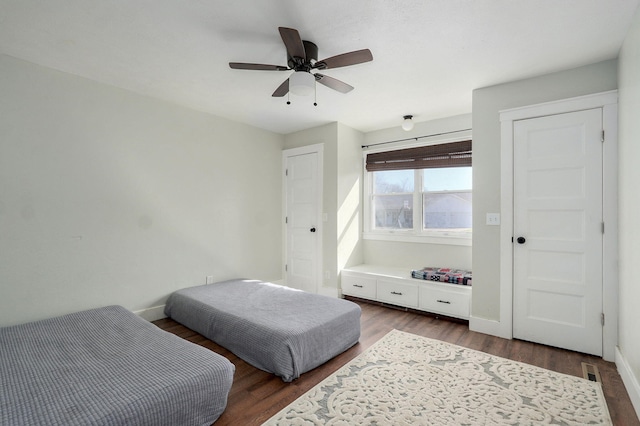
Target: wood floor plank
x,y
256,395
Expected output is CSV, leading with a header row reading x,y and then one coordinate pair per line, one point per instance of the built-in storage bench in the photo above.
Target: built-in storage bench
x,y
396,286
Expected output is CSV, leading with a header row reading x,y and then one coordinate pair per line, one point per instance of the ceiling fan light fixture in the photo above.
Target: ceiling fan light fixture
x,y
302,83
407,124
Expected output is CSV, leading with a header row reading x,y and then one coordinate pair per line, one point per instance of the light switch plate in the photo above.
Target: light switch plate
x,y
493,218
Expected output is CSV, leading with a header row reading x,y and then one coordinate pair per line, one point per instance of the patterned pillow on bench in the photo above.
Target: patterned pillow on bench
x,y
445,275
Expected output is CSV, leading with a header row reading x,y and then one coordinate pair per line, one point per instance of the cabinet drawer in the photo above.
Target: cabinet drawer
x,y
398,293
452,303
358,286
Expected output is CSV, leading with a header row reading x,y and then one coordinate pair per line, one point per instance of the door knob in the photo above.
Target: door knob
x,y
312,230
521,240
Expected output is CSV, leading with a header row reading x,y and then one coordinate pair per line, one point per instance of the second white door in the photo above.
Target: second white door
x,y
558,230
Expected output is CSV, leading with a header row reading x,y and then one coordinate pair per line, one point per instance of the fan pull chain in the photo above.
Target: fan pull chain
x,y
315,96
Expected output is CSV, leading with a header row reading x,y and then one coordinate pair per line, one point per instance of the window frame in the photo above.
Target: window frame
x,y
419,235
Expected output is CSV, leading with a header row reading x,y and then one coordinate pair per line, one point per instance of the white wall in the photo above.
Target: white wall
x,y
487,103
109,197
416,255
629,205
349,196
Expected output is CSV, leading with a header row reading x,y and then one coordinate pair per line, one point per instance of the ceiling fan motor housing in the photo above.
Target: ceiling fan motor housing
x,y
304,64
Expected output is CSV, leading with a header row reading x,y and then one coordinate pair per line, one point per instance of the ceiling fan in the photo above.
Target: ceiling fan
x,y
302,58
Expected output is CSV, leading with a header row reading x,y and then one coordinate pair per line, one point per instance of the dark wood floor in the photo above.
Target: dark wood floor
x,y
256,396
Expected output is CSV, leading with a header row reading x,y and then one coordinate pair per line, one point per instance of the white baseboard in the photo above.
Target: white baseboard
x,y
152,314
629,379
329,291
491,327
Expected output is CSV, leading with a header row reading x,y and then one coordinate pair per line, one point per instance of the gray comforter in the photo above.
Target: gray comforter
x,y
107,366
274,328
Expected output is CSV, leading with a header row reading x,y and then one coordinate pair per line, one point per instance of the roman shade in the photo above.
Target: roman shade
x,y
453,154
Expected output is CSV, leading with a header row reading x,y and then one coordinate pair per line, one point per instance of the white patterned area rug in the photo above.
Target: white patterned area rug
x,y
404,379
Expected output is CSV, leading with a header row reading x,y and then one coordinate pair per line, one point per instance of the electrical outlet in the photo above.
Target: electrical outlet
x,y
209,279
493,218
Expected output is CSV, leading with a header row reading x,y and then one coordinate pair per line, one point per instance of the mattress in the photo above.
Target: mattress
x,y
277,329
107,366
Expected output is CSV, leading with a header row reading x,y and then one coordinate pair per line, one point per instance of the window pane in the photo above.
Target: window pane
x,y
447,179
446,210
393,211
393,181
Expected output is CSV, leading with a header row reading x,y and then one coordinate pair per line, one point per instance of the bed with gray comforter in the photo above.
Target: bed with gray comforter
x,y
277,329
107,366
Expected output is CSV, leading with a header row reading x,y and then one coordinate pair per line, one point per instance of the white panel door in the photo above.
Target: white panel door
x,y
558,230
302,223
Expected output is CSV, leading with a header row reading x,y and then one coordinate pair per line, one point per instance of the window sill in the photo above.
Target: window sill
x,y
453,240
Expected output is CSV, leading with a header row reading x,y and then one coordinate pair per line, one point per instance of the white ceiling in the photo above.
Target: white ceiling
x,y
428,54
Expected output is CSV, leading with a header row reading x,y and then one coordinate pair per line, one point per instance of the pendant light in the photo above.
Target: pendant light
x,y
407,124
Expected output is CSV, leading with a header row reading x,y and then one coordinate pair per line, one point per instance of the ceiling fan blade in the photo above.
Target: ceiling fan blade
x,y
282,90
345,59
258,67
333,83
292,41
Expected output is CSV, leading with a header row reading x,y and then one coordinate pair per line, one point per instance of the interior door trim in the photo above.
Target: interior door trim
x,y
608,101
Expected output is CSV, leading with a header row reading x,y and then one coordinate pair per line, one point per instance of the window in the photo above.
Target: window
x,y
420,193
446,198
393,199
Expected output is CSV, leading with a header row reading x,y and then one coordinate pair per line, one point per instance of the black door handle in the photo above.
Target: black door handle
x,y
312,230
521,240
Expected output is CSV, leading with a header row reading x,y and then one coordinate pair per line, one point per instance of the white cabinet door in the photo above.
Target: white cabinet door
x,y
398,293
359,286
445,301
557,282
